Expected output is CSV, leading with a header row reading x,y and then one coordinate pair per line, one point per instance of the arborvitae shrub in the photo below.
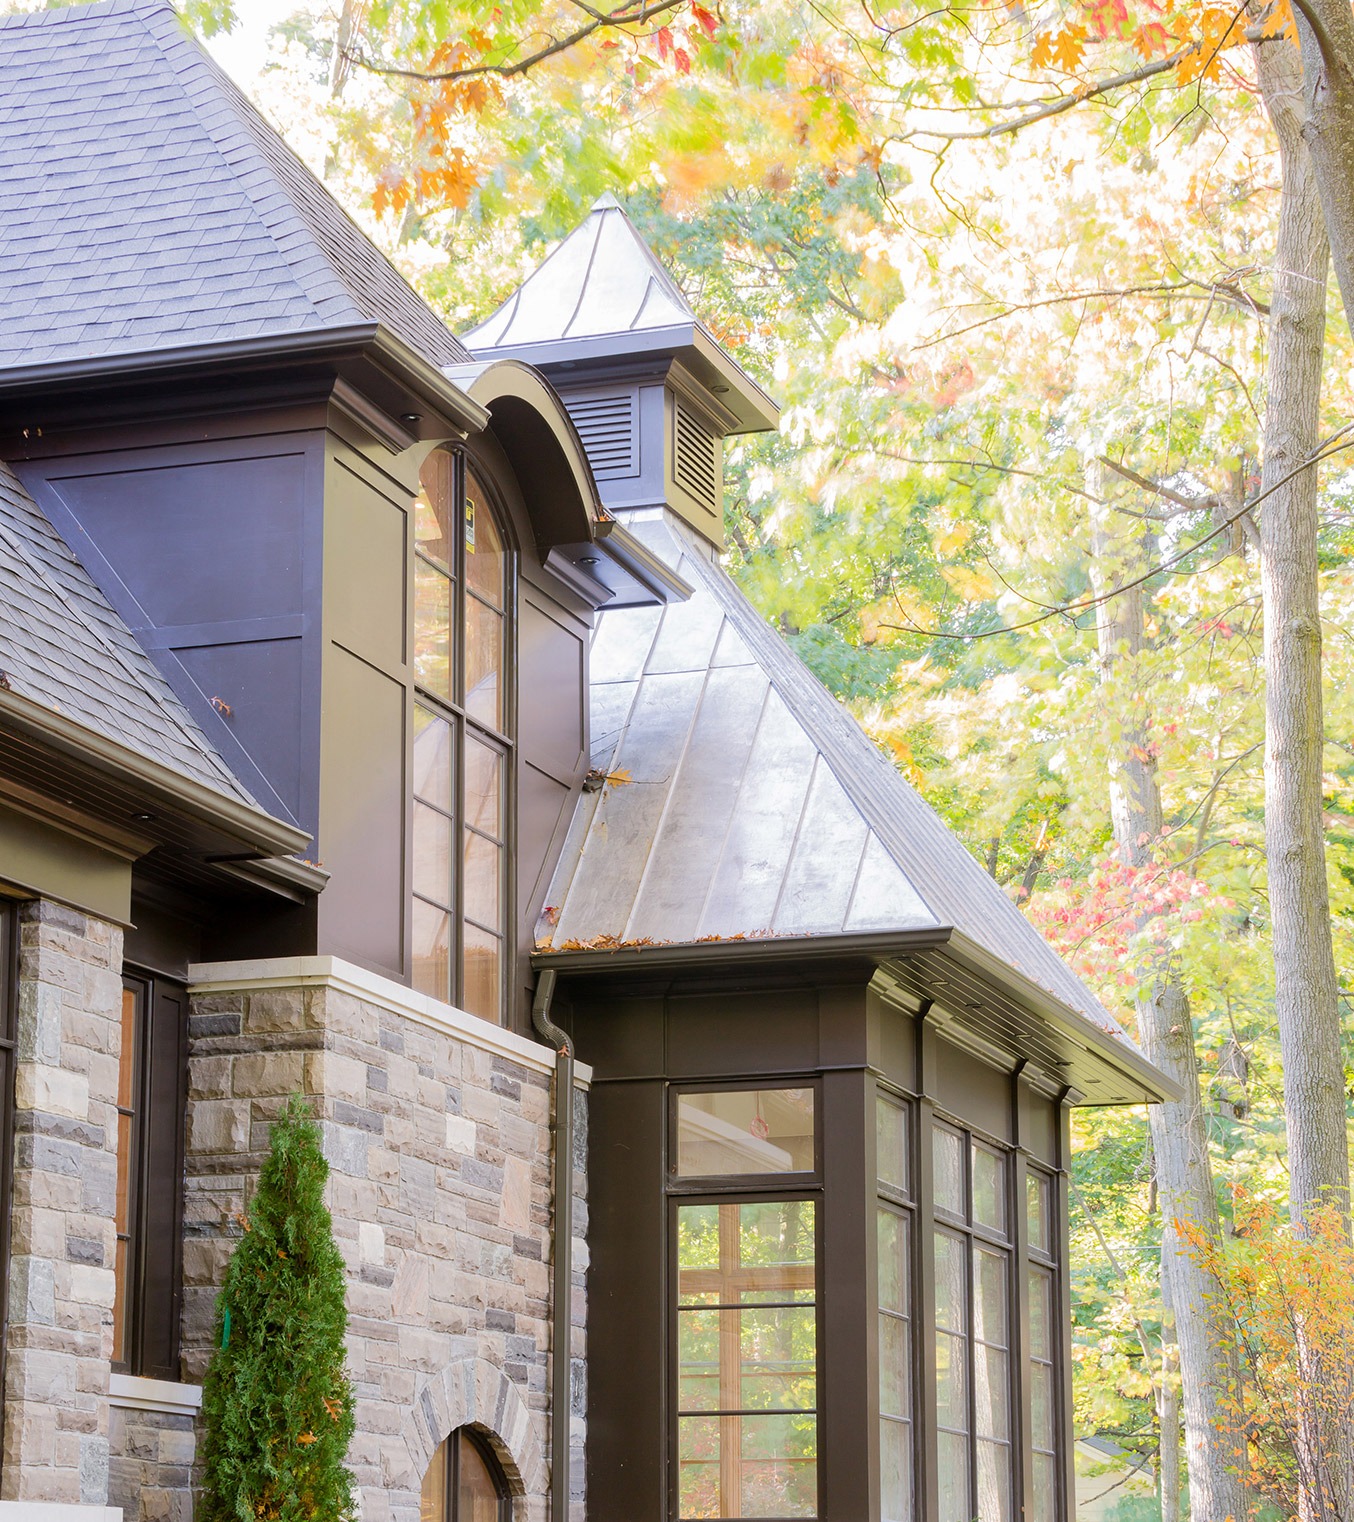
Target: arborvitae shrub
x,y
277,1403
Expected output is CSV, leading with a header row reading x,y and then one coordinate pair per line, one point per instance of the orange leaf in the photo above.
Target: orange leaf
x,y
704,20
1068,47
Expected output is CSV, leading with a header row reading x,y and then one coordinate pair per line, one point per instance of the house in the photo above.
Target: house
x,y
377,722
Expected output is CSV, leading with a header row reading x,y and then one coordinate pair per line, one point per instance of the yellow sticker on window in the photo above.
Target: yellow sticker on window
x,y
470,524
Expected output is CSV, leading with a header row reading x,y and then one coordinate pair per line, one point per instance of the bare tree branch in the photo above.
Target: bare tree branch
x,y
621,19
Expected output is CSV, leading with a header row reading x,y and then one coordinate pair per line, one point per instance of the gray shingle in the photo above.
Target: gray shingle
x,y
134,169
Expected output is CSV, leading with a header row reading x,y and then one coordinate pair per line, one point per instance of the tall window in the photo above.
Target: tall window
x,y
973,1328
462,743
746,1440
1044,1305
9,960
464,1483
148,1205
895,1228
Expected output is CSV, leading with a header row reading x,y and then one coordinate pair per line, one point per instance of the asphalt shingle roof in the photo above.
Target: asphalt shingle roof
x,y
146,205
62,645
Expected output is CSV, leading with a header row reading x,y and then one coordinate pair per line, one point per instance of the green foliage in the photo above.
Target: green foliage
x,y
277,1404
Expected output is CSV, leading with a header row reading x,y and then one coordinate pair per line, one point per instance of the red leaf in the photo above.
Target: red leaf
x,y
705,20
664,36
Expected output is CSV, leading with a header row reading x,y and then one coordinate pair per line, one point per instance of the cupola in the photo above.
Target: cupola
x,y
652,393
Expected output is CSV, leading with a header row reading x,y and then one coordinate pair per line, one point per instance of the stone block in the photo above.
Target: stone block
x,y
217,1125
275,1010
268,1074
51,1089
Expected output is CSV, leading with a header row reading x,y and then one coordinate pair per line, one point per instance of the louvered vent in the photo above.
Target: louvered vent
x,y
694,458
606,424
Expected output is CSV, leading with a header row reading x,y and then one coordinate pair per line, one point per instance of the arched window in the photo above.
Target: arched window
x,y
463,586
464,1483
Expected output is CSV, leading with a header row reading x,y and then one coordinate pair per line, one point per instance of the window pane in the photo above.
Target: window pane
x,y
894,1274
948,1167
434,508
895,1367
698,1332
745,1131
953,1479
432,759
747,1360
476,1491
483,787
432,628
891,1144
991,1392
743,1254
989,1188
483,545
1039,1211
952,1381
483,887
951,1300
1041,1405
483,663
481,973
895,1466
994,1482
1041,1314
432,1501
779,1466
990,1296
432,950
432,855
747,1466
1045,1489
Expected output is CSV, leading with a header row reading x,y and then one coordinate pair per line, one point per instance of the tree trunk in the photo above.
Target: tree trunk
x,y
1326,32
1306,992
1209,1364
1168,1409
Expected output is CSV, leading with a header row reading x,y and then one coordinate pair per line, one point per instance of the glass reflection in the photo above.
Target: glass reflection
x,y
947,1157
733,1131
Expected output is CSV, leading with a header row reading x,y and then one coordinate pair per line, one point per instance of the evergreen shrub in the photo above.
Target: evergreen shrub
x,y
277,1403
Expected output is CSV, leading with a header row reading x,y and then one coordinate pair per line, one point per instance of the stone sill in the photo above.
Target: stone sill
x,y
346,977
57,1511
131,1392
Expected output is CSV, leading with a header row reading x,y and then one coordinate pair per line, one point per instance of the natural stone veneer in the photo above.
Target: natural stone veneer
x,y
437,1130
65,1176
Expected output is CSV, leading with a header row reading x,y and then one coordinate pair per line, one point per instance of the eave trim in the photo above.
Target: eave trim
x,y
160,783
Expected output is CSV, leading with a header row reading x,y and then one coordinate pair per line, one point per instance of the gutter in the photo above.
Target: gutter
x,y
327,345
562,1290
245,822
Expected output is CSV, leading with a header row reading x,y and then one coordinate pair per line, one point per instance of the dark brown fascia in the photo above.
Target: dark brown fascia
x,y
161,786
392,375
866,953
1077,1027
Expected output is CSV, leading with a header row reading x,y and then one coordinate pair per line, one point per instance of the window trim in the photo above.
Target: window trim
x,y
453,712
705,1183
9,1010
681,1198
150,989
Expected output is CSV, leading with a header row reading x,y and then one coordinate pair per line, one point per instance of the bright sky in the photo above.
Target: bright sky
x,y
244,51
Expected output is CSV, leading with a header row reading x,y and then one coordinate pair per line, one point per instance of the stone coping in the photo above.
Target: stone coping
x,y
348,978
57,1511
133,1392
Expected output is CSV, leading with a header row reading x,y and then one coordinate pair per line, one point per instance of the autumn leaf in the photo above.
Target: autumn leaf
x,y
1063,50
704,20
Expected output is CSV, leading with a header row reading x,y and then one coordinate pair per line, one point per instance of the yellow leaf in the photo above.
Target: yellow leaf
x,y
972,584
1042,56
953,539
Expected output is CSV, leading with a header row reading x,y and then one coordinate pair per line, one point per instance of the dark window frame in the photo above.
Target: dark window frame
x,y
159,1094
9,1007
742,1192
452,710
449,1453
977,1235
904,1201
1048,1263
705,1183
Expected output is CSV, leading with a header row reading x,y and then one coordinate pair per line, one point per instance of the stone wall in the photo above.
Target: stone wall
x,y
151,1462
440,1189
65,1177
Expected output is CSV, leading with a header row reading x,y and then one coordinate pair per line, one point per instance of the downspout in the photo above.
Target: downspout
x,y
563,1291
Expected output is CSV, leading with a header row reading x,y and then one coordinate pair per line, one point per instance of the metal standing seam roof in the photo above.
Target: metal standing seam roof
x,y
62,645
756,805
145,204
602,279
